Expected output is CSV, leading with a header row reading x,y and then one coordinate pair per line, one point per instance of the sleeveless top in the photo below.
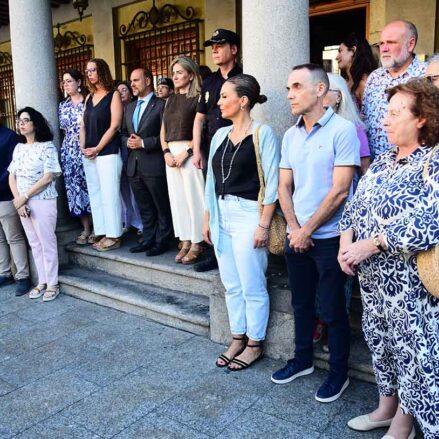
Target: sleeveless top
x,y
178,117
97,120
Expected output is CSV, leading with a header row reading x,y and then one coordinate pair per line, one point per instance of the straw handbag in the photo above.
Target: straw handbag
x,y
428,261
278,226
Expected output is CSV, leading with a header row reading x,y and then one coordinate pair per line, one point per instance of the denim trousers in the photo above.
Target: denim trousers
x,y
242,267
317,272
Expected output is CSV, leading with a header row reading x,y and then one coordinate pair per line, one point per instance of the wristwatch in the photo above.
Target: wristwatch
x,y
190,152
377,243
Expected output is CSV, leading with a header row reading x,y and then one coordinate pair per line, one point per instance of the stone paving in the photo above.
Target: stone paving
x,y
71,369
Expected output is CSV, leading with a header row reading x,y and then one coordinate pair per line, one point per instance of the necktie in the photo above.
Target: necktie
x,y
136,115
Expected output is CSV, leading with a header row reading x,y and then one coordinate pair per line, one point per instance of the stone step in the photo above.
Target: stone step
x,y
159,271
360,364
173,308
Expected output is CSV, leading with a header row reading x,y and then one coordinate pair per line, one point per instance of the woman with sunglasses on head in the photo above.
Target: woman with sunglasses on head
x,y
185,182
356,62
100,145
341,101
32,175
70,115
432,72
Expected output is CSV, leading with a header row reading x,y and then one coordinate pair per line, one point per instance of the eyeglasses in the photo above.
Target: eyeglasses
x,y
92,70
432,78
67,81
334,90
23,121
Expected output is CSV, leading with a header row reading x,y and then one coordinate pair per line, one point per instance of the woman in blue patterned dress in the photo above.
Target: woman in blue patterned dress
x,y
394,215
70,114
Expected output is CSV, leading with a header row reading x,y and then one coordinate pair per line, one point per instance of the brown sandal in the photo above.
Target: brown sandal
x,y
181,254
108,244
191,257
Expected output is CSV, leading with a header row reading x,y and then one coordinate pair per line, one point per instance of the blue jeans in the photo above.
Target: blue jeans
x,y
318,271
242,268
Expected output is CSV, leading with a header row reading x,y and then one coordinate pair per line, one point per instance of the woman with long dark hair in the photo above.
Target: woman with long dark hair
x,y
100,145
356,62
32,175
70,115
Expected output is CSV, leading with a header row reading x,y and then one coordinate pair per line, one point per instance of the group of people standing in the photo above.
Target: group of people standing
x,y
198,165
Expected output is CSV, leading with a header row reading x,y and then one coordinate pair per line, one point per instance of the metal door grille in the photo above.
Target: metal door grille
x,y
75,58
155,49
7,91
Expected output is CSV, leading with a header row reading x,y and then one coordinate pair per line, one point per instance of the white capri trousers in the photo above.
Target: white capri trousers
x,y
242,267
103,182
186,196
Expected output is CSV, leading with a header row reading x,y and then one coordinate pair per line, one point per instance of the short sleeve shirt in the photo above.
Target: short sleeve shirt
x,y
312,156
209,97
30,162
375,103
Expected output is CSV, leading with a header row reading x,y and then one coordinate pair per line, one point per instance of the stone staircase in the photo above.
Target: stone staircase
x,y
177,296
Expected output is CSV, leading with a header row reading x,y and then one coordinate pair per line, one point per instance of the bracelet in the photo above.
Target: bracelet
x,y
166,151
26,195
262,227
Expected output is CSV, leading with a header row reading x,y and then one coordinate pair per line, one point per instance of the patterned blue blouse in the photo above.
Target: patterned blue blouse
x,y
400,318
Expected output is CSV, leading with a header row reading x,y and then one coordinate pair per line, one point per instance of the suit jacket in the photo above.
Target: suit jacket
x,y
149,159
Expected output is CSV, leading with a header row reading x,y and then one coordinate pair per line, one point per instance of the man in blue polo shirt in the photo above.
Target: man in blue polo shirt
x,y
319,156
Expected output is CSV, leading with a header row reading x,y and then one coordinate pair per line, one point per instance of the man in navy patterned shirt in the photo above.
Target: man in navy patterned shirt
x,y
399,65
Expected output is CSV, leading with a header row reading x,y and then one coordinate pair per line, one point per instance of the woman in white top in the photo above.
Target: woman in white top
x,y
32,175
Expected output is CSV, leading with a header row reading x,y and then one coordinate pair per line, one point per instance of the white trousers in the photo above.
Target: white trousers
x,y
103,183
186,196
242,267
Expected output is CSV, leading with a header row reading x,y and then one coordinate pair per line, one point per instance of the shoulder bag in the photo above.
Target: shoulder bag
x,y
278,225
428,261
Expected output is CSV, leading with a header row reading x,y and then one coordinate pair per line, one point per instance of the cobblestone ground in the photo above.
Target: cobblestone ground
x,y
71,369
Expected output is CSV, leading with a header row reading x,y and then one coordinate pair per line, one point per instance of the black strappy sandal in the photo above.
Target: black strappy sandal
x,y
242,364
226,359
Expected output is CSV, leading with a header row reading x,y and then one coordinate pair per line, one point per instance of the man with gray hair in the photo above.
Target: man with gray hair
x,y
319,156
432,72
399,65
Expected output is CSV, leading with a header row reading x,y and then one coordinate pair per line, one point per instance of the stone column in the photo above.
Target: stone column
x,y
275,37
35,80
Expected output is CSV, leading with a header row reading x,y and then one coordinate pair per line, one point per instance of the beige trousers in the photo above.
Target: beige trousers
x,y
12,240
186,195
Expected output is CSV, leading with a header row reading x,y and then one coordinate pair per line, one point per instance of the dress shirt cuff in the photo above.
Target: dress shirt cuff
x,y
143,145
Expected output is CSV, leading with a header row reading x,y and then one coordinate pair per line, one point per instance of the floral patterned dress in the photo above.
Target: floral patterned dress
x,y
401,319
71,158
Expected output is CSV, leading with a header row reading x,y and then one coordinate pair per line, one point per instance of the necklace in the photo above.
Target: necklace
x,y
226,177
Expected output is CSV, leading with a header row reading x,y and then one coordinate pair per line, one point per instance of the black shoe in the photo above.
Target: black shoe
x,y
6,280
158,249
210,263
142,247
23,286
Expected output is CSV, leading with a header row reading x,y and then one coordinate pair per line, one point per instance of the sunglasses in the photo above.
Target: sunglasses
x,y
432,78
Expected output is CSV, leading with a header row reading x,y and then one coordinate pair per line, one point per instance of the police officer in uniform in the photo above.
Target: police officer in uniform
x,y
225,46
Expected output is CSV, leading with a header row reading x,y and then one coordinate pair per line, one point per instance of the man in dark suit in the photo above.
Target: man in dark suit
x,y
146,165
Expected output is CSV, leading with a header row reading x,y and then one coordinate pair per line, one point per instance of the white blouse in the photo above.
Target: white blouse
x,y
30,162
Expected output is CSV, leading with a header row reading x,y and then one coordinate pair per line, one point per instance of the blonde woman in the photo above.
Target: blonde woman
x,y
185,182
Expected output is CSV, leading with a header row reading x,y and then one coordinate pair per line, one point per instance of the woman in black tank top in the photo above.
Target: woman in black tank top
x,y
100,146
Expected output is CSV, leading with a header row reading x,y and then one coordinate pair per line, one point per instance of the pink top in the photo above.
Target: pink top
x,y
364,144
